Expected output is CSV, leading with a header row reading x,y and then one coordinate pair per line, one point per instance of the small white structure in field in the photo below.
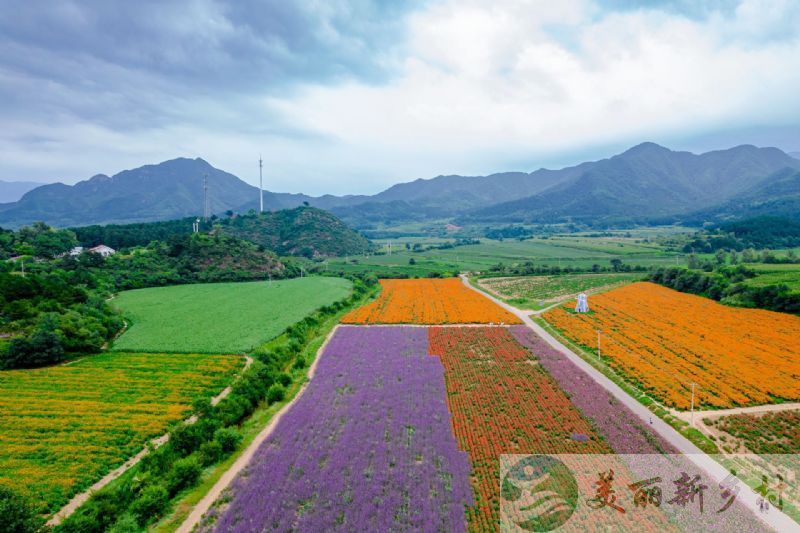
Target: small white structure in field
x,y
583,304
103,250
76,251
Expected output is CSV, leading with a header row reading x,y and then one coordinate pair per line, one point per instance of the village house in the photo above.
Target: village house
x,y
103,250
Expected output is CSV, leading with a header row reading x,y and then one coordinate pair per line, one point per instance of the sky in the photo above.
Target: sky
x,y
352,96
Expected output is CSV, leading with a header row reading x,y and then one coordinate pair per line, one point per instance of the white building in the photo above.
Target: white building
x,y
103,250
76,251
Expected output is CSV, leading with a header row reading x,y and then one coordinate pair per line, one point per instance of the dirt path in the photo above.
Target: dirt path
x,y
775,520
716,413
227,478
80,499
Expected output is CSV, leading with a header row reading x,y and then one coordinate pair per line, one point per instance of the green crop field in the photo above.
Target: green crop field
x,y
783,274
564,251
220,317
64,427
536,292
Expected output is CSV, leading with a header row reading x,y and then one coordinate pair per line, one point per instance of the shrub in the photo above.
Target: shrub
x,y
16,513
39,349
185,439
150,503
185,473
126,523
228,439
275,393
210,452
284,379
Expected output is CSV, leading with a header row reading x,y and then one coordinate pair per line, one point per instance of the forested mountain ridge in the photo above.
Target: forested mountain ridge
x,y
646,181
305,231
779,196
643,183
168,190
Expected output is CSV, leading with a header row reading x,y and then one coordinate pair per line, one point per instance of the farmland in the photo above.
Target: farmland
x,y
63,427
663,340
429,301
368,447
564,251
220,317
528,291
501,403
766,433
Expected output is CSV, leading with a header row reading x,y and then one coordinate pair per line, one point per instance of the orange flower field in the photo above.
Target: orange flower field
x,y
429,301
663,340
64,427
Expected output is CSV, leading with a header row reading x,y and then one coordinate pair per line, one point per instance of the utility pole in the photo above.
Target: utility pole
x,y
692,419
22,261
260,186
598,344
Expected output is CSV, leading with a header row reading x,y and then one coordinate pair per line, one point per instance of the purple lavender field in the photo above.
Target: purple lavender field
x,y
368,447
624,431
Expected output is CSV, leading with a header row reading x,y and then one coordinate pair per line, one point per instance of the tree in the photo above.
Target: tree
x,y
616,264
40,348
720,256
16,513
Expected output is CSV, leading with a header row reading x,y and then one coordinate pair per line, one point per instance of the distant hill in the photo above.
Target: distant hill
x,y
11,191
444,196
169,190
776,196
646,181
303,231
796,155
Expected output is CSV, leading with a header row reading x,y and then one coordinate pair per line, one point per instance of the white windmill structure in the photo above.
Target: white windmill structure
x,y
583,303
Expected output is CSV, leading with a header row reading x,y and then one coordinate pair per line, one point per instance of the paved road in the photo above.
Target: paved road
x,y
774,519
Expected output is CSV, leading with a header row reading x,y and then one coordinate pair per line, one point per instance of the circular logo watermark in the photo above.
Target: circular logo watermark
x,y
539,493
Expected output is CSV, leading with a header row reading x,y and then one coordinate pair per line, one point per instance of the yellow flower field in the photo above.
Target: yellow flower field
x,y
429,301
62,428
664,340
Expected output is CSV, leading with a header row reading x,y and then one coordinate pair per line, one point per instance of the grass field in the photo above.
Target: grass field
x,y
536,292
429,301
62,428
567,251
782,274
220,317
663,341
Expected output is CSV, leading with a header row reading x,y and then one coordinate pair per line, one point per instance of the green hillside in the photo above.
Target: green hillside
x,y
303,231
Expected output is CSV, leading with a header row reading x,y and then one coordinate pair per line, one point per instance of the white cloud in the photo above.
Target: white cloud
x,y
484,79
476,87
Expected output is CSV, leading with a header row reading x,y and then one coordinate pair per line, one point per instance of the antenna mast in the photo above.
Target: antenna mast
x,y
206,203
260,186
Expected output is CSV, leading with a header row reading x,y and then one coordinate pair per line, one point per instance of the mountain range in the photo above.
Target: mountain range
x,y
11,191
645,183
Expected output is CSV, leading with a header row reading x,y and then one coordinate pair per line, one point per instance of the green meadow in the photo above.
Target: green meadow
x,y
220,317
